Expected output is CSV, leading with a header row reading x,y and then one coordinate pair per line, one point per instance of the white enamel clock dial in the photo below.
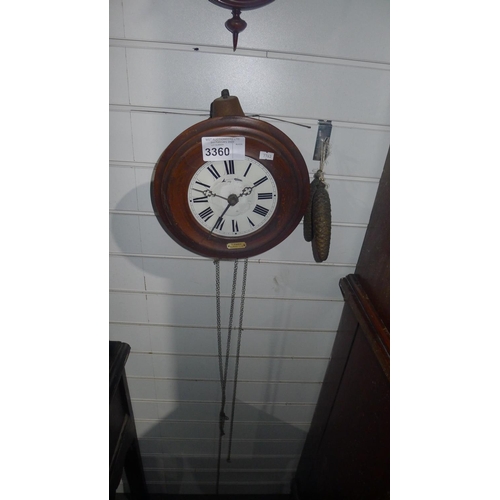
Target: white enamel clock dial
x,y
232,198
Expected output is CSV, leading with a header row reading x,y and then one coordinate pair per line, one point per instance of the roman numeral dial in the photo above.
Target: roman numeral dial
x,y
232,198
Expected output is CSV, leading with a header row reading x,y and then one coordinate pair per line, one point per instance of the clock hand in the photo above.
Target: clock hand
x,y
218,196
246,191
232,201
220,217
207,193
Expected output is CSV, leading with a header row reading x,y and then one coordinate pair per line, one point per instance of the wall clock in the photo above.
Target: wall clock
x,y
230,187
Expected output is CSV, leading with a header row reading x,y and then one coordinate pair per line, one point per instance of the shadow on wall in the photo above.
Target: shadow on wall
x,y
135,234
180,452
140,232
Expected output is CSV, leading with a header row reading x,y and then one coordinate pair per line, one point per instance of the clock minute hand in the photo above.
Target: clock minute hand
x,y
232,201
229,205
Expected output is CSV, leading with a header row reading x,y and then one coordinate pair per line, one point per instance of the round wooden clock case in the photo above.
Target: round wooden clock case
x,y
182,161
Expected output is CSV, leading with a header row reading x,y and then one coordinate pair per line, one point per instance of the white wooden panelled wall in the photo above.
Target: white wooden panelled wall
x,y
297,61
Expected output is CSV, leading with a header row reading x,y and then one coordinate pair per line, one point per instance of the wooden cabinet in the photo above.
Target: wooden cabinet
x,y
124,454
346,454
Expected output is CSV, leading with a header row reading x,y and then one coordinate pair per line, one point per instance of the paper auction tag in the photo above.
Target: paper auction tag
x,y
223,148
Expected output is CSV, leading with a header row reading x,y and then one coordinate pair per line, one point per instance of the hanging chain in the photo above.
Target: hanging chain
x,y
217,299
222,414
223,370
237,364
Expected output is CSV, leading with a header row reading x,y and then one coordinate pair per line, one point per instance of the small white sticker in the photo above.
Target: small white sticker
x,y
266,156
223,148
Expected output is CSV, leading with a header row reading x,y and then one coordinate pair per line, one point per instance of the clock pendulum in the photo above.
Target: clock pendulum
x,y
229,188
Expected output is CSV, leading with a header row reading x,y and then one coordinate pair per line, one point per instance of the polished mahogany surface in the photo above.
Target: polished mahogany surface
x,y
346,454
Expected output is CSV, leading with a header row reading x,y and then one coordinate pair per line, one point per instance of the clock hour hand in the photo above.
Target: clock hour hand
x,y
207,193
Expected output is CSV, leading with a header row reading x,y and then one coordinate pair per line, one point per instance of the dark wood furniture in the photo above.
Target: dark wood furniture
x,y
124,454
346,453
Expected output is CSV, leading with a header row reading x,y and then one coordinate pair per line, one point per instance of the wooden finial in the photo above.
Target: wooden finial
x,y
235,25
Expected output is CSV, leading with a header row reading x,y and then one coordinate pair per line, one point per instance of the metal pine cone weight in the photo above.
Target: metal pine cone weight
x,y
308,230
321,223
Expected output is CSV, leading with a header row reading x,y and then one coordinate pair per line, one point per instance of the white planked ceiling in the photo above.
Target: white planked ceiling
x,y
299,61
